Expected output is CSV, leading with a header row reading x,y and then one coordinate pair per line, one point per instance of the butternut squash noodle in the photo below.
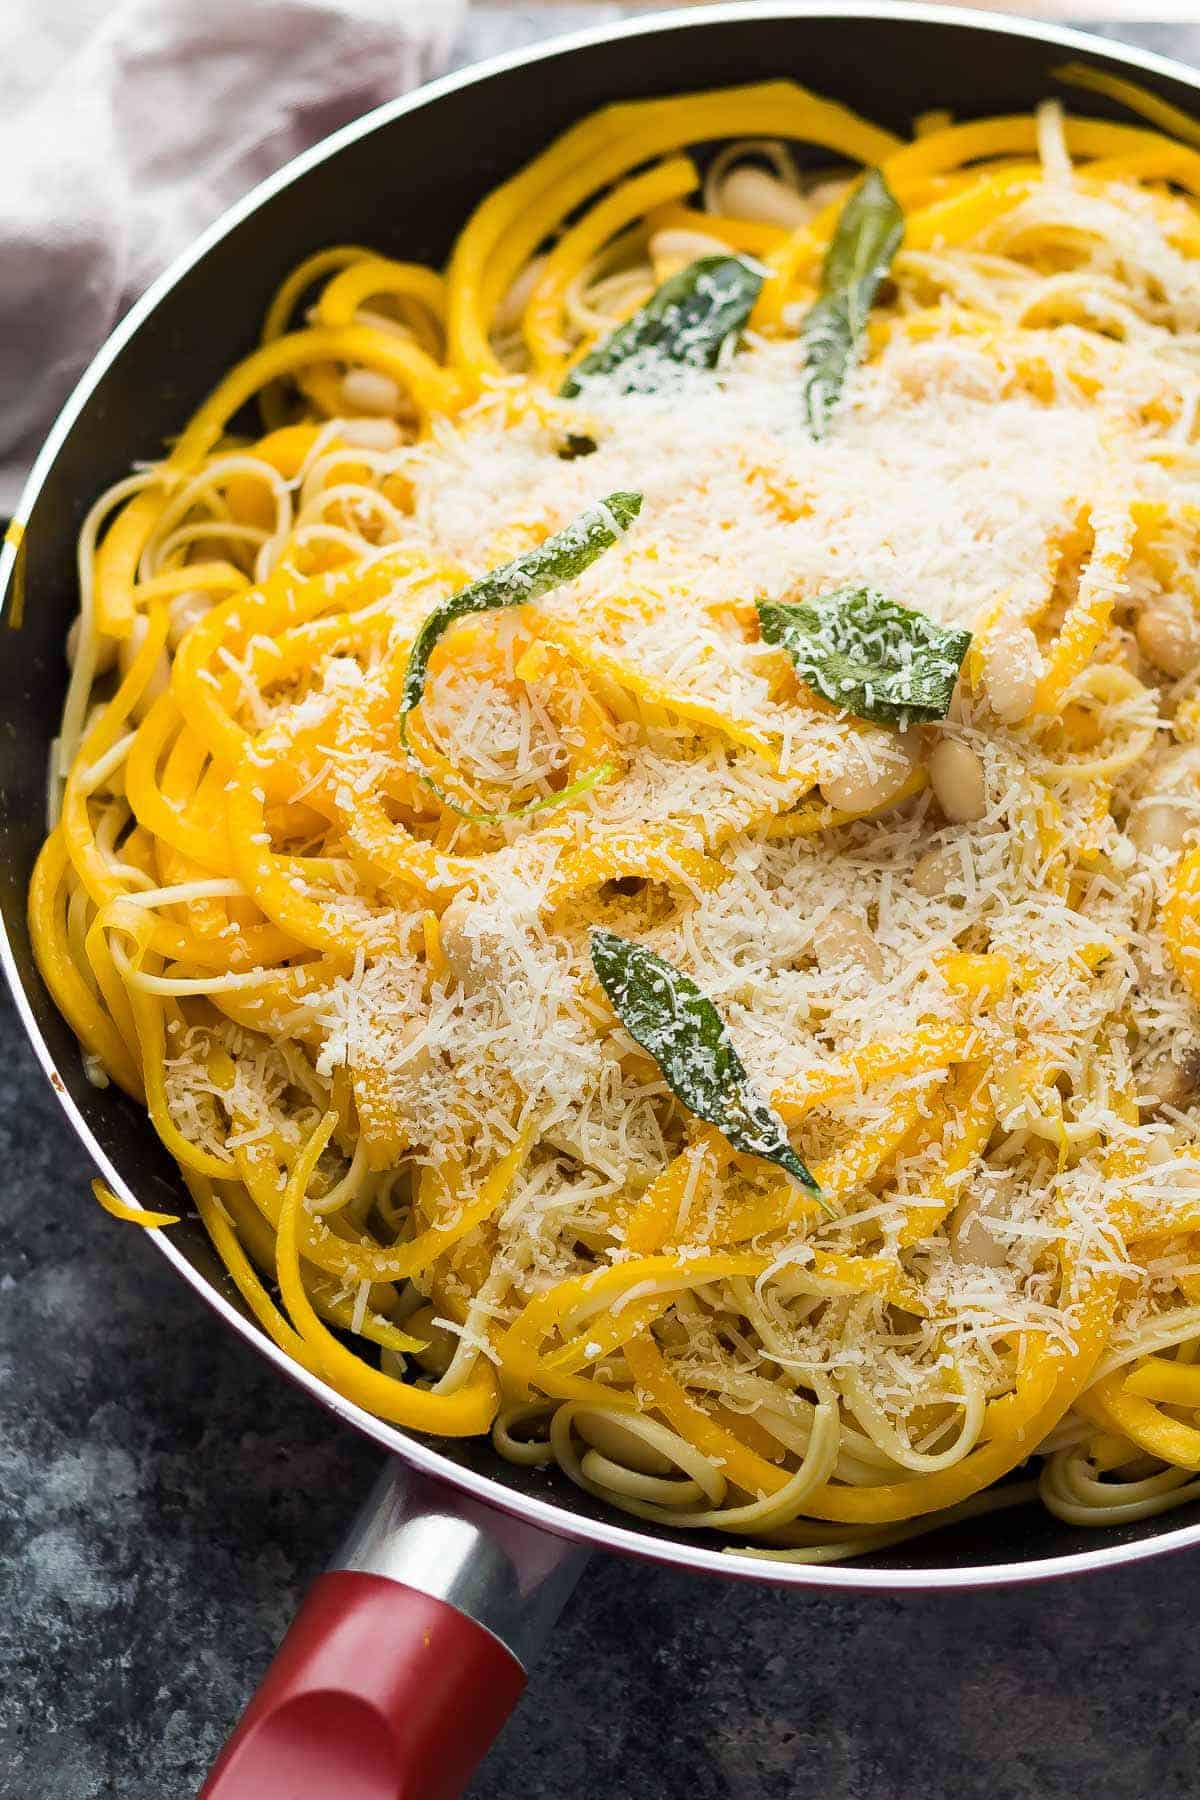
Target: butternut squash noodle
x,y
329,915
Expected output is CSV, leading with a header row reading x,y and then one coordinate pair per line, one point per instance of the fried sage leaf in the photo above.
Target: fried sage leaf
x,y
860,253
664,1011
561,558
868,655
684,324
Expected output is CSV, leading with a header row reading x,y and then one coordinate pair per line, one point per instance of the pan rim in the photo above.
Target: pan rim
x,y
415,1452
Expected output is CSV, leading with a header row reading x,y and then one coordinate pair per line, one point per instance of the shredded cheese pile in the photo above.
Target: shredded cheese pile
x,y
354,991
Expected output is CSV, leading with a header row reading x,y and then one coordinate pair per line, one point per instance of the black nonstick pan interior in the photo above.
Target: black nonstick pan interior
x,y
404,181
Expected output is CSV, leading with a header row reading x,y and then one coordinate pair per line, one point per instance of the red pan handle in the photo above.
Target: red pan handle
x,y
405,1659
378,1692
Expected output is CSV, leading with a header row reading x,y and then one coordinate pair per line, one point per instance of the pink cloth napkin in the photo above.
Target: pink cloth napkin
x,y
170,112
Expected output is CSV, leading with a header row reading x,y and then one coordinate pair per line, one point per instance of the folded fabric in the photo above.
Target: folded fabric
x,y
165,116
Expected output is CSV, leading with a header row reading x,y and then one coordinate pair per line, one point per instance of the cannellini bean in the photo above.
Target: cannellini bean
x,y
621,1445
471,943
970,1238
455,944
870,780
1177,771
370,434
184,611
1159,825
1012,667
1168,635
1127,654
127,649
936,871
370,391
1171,806
674,247
413,1056
1168,1084
106,647
749,192
824,193
841,938
956,776
507,316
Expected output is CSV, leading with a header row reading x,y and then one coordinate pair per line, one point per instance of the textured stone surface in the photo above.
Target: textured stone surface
x,y
164,1498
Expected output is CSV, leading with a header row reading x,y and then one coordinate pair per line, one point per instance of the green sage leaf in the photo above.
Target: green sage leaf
x,y
860,253
664,1011
686,323
560,559
868,655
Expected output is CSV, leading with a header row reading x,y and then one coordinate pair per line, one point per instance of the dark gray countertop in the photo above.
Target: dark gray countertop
x,y
164,1499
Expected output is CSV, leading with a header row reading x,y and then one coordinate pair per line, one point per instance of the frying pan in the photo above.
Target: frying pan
x,y
408,1654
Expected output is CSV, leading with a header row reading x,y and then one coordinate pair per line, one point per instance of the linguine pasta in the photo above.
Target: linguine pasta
x,y
329,909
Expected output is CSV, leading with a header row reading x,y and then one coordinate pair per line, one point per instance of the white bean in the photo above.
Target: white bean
x,y
1168,1084
160,675
413,1056
1177,770
870,780
471,943
1171,805
956,776
1168,635
936,871
453,940
370,434
1012,667
823,193
184,611
1159,825
970,1238
841,938
371,391
749,192
674,247
106,647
